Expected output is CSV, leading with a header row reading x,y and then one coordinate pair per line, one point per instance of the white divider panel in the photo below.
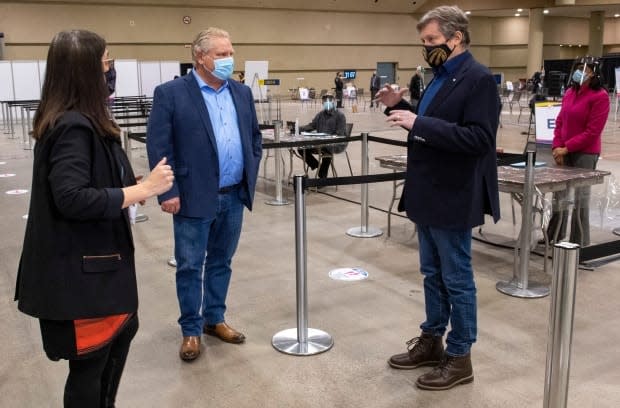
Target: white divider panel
x,y
26,80
42,66
169,69
255,71
6,81
150,77
127,79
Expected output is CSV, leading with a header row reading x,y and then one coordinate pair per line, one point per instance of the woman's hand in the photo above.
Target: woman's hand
x,y
160,180
558,155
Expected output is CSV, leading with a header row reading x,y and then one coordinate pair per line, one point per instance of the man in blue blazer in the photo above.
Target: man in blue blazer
x,y
451,184
205,124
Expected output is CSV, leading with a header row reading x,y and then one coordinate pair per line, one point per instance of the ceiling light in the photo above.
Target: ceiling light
x,y
517,15
545,11
519,10
468,12
616,15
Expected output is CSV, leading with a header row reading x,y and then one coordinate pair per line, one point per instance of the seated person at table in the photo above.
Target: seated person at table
x,y
330,121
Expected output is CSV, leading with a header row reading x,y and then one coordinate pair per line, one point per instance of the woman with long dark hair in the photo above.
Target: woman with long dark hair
x,y
577,143
77,271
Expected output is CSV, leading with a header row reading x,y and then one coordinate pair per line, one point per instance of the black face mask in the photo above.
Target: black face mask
x,y
436,55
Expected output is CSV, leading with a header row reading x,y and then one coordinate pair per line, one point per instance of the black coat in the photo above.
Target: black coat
x,y
78,254
451,162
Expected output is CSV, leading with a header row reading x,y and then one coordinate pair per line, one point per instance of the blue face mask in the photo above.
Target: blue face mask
x,y
328,105
223,68
578,76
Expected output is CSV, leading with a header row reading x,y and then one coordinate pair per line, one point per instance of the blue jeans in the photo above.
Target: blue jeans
x,y
203,250
449,287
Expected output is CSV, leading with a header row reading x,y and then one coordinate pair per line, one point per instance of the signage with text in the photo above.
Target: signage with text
x,y
270,81
546,112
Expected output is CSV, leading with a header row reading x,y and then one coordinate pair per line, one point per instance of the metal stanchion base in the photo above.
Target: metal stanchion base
x,y
532,291
275,201
172,261
142,217
369,232
286,341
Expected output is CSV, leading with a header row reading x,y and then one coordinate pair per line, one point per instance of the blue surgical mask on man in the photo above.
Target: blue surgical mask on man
x,y
223,68
328,105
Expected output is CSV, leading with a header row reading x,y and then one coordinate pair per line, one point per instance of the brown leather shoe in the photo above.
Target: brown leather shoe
x,y
421,351
224,332
450,372
190,348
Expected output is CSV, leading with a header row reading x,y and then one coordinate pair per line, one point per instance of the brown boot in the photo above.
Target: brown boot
x,y
450,372
422,351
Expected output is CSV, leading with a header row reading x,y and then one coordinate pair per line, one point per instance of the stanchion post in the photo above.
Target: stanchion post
x,y
364,231
301,341
28,129
22,115
561,316
278,199
520,286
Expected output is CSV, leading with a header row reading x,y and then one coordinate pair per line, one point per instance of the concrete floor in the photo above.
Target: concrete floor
x,y
369,319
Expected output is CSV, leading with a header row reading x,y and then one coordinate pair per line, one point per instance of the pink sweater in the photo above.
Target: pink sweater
x,y
581,120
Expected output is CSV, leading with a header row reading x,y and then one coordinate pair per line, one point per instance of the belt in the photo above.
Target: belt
x,y
228,189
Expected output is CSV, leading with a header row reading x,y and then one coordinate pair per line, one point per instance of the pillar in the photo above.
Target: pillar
x,y
535,41
597,24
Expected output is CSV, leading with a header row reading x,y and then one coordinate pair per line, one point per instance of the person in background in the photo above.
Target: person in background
x,y
577,143
77,273
205,123
375,85
242,77
451,184
330,121
339,86
110,75
416,86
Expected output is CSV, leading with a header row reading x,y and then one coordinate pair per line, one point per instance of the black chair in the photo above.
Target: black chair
x,y
338,149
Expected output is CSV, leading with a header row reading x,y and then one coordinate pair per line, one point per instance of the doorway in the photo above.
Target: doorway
x,y
386,72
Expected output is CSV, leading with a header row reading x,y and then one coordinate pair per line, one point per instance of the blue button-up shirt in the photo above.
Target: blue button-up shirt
x,y
440,75
225,125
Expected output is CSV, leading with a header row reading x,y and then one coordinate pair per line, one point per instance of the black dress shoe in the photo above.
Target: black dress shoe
x,y
225,333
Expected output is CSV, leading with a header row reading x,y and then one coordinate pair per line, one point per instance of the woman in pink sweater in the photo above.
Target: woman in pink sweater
x,y
577,143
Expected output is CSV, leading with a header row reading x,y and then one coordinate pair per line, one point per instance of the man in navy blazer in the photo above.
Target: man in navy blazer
x,y
451,184
205,124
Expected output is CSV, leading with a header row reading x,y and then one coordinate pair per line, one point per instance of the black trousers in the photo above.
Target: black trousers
x,y
373,93
93,381
338,98
313,163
